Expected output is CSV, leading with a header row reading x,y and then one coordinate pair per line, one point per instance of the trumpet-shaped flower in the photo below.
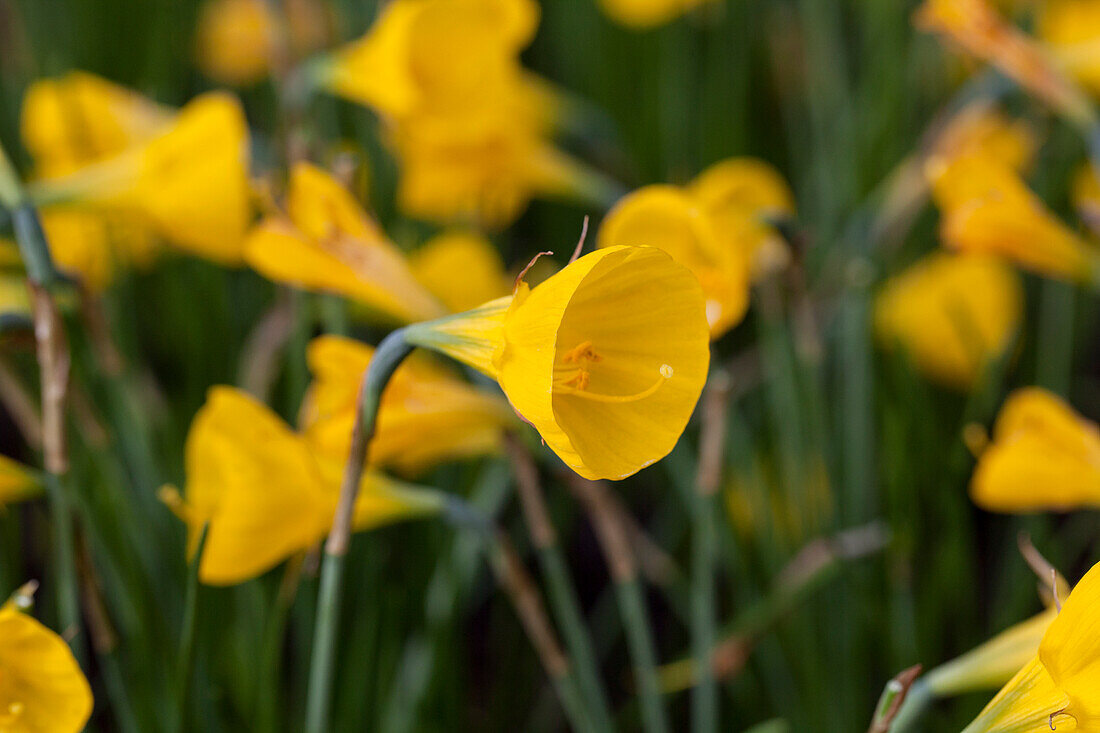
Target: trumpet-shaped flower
x,y
460,268
606,358
643,14
16,482
1044,456
80,118
265,495
426,415
1057,689
327,242
987,208
952,314
189,183
738,194
669,218
42,689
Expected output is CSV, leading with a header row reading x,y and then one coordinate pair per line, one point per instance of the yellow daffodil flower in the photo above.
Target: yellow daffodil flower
x,y
669,218
986,133
68,124
1071,29
426,415
264,493
980,30
606,358
327,242
235,40
189,183
460,268
738,194
42,689
643,14
80,118
16,482
987,208
952,314
1057,689
1044,456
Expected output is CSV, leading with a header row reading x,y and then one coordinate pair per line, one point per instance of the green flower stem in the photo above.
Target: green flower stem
x,y
68,599
629,593
387,357
559,585
186,656
704,566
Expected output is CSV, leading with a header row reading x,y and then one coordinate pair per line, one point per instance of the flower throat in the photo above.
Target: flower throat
x,y
574,373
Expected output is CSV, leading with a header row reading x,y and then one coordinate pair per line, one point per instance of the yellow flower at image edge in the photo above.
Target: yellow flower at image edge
x,y
952,314
1043,457
427,415
606,358
42,689
16,480
263,492
1059,689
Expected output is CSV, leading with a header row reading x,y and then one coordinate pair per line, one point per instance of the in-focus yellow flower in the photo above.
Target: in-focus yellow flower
x,y
265,494
739,194
460,268
427,415
1057,690
641,14
16,481
1044,456
952,314
235,40
987,208
606,359
1071,28
669,218
42,689
327,242
189,183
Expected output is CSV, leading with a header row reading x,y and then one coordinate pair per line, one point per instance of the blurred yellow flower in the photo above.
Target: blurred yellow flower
x,y
327,242
235,39
1057,689
42,689
67,124
1044,456
427,415
606,358
952,314
642,14
739,194
16,482
460,268
468,125
189,182
263,492
987,208
669,218
985,133
1071,28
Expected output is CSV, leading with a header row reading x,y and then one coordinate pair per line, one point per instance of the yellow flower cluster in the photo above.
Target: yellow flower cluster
x,y
470,127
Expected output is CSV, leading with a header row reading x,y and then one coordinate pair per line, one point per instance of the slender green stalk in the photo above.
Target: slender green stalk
x,y
387,357
186,655
631,599
68,600
560,589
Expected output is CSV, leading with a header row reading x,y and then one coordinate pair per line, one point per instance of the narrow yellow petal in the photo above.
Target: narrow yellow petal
x,y
1070,650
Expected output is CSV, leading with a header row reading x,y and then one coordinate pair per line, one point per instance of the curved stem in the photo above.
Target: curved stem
x,y
387,357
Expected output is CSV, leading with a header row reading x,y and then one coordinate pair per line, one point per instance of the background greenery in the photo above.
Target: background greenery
x,y
827,433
